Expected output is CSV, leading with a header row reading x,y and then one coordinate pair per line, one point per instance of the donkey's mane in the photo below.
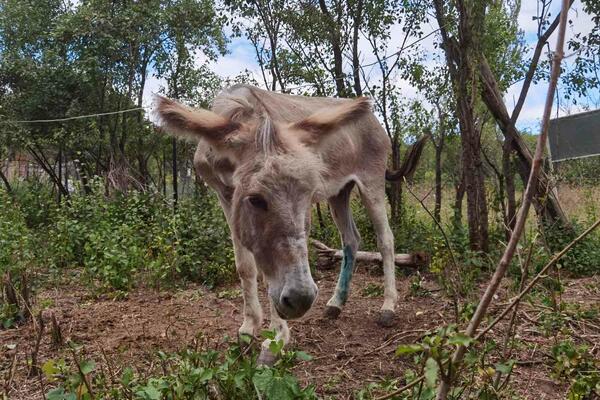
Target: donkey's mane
x,y
238,109
267,139
234,107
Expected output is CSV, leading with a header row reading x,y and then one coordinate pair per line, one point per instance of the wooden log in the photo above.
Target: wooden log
x,y
403,260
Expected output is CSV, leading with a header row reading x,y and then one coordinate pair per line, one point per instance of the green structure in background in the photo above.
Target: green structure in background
x,y
575,136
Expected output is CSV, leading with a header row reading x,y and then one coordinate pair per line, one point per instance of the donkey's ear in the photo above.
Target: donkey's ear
x,y
321,123
193,123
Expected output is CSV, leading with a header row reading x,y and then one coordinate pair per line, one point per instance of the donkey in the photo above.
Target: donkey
x,y
269,156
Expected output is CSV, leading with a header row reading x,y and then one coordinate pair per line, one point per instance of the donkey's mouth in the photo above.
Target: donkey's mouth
x,y
280,314
288,310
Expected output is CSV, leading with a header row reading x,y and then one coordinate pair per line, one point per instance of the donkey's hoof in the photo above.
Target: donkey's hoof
x,y
387,318
332,312
266,358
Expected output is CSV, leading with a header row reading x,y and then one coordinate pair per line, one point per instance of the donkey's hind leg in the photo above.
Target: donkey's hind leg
x,y
342,216
373,199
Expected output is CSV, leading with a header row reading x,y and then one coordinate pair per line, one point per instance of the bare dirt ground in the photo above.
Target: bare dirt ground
x,y
348,353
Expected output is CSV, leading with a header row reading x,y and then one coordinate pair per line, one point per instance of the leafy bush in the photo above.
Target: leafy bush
x,y
576,364
118,241
17,255
228,374
584,257
192,243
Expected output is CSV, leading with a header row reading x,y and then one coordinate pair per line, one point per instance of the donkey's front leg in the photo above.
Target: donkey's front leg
x,y
342,216
282,333
246,268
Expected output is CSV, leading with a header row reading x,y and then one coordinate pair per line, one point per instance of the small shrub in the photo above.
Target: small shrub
x,y
17,259
372,290
577,365
229,373
584,257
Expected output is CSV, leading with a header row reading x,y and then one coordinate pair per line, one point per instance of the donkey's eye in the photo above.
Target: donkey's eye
x,y
258,201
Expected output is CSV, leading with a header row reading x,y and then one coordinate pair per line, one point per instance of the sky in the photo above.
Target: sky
x,y
241,57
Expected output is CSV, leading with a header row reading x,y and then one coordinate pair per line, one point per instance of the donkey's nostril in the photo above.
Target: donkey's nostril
x,y
286,302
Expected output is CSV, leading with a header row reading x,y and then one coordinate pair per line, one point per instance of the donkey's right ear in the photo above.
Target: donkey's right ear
x,y
193,123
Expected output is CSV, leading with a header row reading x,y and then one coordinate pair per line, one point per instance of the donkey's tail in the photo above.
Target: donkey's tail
x,y
411,160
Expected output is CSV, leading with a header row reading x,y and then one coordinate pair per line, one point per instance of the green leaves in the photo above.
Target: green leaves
x,y
505,368
87,366
459,339
60,394
275,386
228,373
405,349
431,371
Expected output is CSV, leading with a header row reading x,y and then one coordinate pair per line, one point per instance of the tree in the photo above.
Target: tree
x,y
545,203
383,88
93,57
463,50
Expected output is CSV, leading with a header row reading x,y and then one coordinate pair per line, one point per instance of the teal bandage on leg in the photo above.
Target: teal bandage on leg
x,y
343,285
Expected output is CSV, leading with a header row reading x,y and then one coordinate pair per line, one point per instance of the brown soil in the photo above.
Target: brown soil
x,y
348,353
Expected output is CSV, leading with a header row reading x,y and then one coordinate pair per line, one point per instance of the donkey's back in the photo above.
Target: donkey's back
x,y
358,152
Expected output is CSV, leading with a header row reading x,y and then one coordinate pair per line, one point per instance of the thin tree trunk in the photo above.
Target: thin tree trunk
x,y
438,183
164,173
530,190
546,204
461,60
66,172
338,61
174,171
355,37
509,183
395,186
60,172
458,201
39,156
320,217
6,182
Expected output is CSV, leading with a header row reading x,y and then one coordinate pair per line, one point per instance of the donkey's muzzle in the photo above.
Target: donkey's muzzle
x,y
294,303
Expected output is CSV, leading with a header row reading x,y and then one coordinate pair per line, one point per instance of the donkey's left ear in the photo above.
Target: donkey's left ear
x,y
321,123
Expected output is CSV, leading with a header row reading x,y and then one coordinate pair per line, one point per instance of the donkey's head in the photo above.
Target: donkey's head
x,y
277,173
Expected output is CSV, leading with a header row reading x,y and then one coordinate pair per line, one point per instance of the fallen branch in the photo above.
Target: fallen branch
x,y
404,260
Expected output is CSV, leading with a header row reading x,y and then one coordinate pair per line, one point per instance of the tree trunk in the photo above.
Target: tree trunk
x,y
59,176
509,183
461,58
438,183
174,171
164,173
545,202
395,186
6,182
336,46
320,217
42,161
355,38
142,158
459,188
